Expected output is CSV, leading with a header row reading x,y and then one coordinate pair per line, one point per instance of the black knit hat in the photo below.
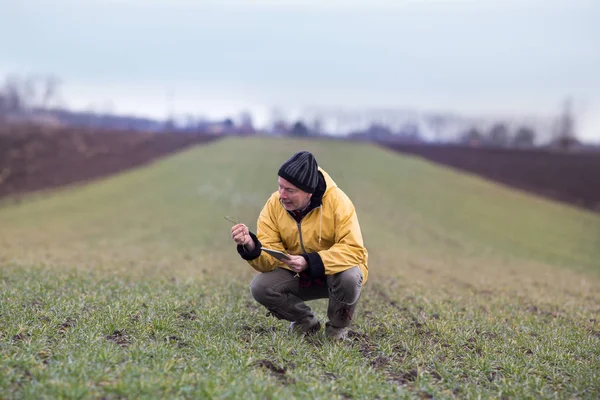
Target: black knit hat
x,y
301,170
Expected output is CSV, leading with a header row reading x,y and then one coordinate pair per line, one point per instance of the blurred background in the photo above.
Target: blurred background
x,y
431,70
416,75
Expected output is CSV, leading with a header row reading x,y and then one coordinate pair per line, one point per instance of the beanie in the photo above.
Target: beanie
x,y
301,170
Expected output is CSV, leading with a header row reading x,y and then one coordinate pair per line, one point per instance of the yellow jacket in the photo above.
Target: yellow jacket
x,y
329,236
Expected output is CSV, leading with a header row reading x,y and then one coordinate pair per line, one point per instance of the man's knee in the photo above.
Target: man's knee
x,y
346,286
259,287
267,288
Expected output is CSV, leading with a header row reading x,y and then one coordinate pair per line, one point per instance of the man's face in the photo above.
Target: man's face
x,y
291,197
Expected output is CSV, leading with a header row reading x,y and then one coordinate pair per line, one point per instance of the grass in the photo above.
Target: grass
x,y
131,287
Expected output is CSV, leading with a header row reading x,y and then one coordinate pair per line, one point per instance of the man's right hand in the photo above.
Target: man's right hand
x,y
241,236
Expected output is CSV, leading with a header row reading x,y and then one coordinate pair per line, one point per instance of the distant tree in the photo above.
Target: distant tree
x,y
524,137
228,124
498,135
18,93
565,130
280,128
245,121
437,122
13,94
317,125
278,121
300,129
169,125
50,85
566,143
472,137
379,131
409,130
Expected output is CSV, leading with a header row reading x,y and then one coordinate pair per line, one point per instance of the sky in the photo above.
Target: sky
x,y
218,58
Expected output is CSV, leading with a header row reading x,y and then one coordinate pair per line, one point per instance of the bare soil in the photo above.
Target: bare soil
x,y
570,177
34,158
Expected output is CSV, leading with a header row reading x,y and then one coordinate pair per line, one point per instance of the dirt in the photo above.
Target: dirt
x,y
34,158
405,377
64,327
259,329
190,315
276,371
176,341
119,337
20,337
569,177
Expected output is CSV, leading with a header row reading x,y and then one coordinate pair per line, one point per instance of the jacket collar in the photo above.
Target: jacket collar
x,y
316,199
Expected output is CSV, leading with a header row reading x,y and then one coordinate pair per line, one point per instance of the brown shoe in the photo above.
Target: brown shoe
x,y
305,326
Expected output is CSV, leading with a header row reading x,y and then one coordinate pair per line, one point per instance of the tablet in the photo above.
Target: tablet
x,y
276,253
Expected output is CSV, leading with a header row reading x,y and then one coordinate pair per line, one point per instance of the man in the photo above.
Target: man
x,y
314,221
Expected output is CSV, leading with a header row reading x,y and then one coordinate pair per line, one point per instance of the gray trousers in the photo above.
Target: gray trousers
x,y
279,292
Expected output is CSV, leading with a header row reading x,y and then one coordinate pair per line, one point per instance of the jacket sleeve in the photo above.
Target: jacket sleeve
x,y
267,235
348,250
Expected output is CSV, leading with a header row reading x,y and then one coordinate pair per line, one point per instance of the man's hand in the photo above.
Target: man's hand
x,y
296,263
241,236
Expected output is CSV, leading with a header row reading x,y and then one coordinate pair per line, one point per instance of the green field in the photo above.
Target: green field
x,y
131,286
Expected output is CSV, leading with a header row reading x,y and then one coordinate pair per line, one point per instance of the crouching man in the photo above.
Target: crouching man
x,y
314,221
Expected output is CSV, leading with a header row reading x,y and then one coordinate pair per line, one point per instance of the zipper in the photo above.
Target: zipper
x,y
299,225
300,232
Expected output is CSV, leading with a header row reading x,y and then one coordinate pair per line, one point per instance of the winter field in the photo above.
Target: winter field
x,y
130,286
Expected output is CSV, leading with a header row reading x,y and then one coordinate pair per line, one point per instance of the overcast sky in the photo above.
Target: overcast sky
x,y
215,58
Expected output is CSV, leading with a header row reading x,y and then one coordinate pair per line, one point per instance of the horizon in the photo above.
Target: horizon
x,y
496,60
